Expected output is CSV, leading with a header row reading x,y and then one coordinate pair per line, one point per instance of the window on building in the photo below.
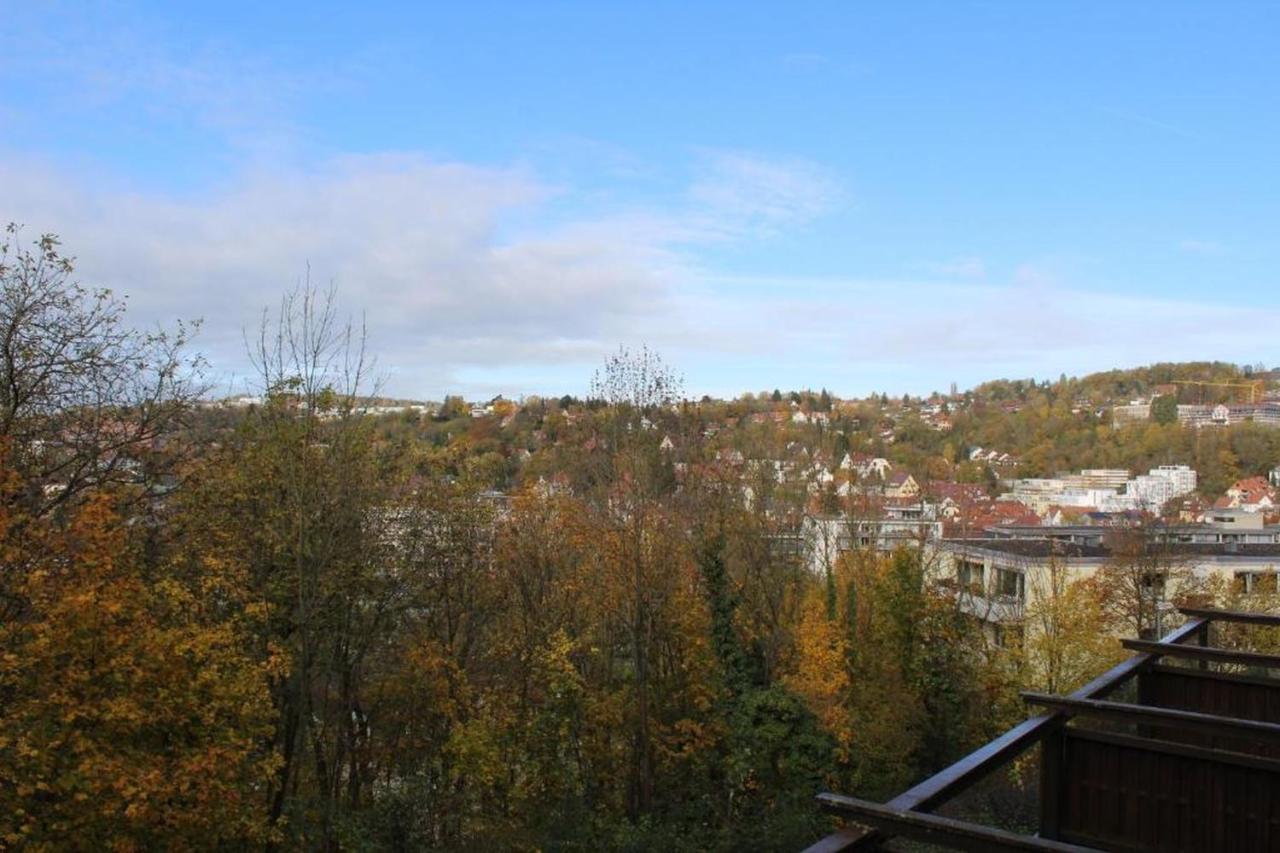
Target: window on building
x,y
1256,582
1009,636
1153,584
1010,584
970,575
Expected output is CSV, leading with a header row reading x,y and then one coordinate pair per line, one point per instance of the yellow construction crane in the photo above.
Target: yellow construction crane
x,y
1256,386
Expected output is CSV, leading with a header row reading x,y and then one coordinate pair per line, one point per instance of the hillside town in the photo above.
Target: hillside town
x,y
381,600
676,427
834,476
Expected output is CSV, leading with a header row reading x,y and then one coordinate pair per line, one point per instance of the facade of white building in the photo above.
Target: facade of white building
x,y
826,537
998,580
1106,489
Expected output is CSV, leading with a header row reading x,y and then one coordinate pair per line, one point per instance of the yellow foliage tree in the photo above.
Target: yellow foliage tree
x,y
821,675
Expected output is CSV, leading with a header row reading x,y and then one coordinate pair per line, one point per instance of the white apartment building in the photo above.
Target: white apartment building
x,y
1153,490
1098,478
1149,492
999,579
826,537
1265,413
1182,477
1101,488
1133,412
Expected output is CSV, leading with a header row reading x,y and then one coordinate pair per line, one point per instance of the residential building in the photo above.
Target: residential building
x,y
866,466
1265,413
1252,494
1129,413
900,484
885,527
1153,490
999,580
1182,477
1220,527
1003,573
1100,489
1097,478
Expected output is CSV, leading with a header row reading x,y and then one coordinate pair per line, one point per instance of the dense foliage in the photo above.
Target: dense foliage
x,y
296,625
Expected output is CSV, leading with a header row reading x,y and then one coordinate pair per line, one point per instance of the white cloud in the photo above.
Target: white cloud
x,y
422,246
466,285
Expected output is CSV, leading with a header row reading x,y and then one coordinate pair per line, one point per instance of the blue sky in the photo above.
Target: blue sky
x,y
862,197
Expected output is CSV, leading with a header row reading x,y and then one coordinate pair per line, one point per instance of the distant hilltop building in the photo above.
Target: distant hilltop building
x,y
1265,413
1131,412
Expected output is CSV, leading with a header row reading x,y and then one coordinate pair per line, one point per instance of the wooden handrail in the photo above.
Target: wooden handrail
x,y
1213,675
1231,615
1126,712
1208,653
1185,750
946,783
968,771
956,834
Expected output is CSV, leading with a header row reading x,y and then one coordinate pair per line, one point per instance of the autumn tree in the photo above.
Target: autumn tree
x,y
640,380
295,501
1065,641
85,400
1141,581
638,557
133,712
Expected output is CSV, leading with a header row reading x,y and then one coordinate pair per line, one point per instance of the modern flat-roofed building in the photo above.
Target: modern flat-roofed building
x,y
1220,527
1134,412
998,579
1181,477
1266,413
1001,574
913,524
1097,478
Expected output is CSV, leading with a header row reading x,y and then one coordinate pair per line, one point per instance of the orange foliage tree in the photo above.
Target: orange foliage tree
x,y
131,716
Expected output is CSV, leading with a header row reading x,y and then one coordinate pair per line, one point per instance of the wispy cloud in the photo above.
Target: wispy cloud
x,y
1147,121
1202,247
970,267
864,334
806,61
114,64
742,193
